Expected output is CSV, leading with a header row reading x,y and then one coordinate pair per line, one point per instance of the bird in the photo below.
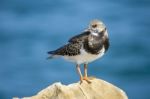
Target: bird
x,y
84,48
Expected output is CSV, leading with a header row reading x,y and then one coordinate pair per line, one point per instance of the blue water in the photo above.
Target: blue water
x,y
30,28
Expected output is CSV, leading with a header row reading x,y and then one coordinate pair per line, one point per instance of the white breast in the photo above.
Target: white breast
x,y
84,57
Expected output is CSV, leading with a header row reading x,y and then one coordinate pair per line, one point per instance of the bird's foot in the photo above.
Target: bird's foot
x,y
86,79
81,80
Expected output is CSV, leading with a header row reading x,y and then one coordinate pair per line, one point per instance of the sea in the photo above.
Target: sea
x,y
31,28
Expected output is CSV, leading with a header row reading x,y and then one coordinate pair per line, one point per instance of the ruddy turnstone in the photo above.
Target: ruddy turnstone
x,y
85,47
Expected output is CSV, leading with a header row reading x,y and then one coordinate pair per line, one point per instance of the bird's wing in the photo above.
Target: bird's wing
x,y
70,49
80,37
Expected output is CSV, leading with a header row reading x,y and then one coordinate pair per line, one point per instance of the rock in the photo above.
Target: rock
x,y
98,89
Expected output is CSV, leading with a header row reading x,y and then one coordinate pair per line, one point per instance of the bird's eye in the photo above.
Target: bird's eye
x,y
94,25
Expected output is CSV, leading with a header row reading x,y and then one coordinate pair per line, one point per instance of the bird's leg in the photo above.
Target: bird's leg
x,y
85,70
79,72
85,74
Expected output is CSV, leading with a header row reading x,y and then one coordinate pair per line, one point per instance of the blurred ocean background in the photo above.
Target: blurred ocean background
x,y
30,28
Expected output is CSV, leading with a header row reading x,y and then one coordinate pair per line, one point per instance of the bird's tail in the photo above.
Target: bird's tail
x,y
52,55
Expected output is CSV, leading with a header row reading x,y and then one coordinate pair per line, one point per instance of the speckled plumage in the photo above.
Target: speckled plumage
x,y
83,39
70,49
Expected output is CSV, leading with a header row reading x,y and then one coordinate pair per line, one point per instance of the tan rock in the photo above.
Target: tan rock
x,y
98,89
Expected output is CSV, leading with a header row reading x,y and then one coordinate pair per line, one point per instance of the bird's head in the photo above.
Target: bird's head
x,y
97,26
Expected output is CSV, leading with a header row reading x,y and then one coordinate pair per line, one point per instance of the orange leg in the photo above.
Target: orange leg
x,y
85,74
79,72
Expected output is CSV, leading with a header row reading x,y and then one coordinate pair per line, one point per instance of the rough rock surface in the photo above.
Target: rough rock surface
x,y
98,89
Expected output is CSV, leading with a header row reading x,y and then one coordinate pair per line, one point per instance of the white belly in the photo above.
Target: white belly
x,y
84,57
